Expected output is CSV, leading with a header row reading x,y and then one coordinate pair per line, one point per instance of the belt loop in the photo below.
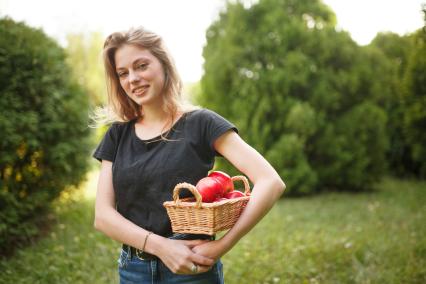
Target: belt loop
x,y
154,268
129,252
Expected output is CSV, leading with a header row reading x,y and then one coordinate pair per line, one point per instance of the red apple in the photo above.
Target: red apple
x,y
220,199
224,179
209,189
234,194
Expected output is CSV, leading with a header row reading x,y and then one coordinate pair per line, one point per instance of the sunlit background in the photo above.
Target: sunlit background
x,y
183,23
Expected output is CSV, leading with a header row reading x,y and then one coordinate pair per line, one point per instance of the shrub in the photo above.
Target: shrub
x,y
303,94
45,138
414,101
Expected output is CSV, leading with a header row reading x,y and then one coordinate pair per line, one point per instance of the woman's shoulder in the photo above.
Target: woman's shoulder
x,y
201,113
205,118
120,124
118,127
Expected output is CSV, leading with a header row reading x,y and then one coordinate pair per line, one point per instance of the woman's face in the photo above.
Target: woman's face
x,y
140,73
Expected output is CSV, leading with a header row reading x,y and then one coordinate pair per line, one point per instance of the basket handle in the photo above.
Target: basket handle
x,y
244,180
191,188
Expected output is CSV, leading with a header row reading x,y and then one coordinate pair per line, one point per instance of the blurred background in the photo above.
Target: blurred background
x,y
331,92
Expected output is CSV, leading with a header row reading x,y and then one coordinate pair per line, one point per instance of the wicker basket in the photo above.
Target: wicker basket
x,y
192,216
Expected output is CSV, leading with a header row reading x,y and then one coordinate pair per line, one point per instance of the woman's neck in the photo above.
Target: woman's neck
x,y
154,116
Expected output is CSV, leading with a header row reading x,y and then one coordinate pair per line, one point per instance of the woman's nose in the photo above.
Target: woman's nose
x,y
134,76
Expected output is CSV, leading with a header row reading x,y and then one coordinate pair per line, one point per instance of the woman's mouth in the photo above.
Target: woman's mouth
x,y
139,91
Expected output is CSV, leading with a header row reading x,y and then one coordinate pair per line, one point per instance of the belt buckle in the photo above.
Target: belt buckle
x,y
139,254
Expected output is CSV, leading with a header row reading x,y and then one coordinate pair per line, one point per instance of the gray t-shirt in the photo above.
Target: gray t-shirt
x,y
146,171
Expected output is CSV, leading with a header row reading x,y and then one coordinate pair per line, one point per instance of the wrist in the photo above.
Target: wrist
x,y
153,244
228,241
224,245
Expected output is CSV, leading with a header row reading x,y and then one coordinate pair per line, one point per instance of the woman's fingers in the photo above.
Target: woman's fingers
x,y
193,243
201,260
196,269
202,268
191,268
179,258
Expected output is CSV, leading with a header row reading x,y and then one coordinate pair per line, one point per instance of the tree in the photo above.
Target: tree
x,y
414,100
397,50
45,139
300,92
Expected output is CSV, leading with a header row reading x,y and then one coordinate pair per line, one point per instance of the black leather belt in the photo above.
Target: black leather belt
x,y
134,252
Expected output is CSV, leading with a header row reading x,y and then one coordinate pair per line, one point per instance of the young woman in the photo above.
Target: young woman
x,y
156,142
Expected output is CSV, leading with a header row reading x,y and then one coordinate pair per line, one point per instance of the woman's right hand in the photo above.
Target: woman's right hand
x,y
178,256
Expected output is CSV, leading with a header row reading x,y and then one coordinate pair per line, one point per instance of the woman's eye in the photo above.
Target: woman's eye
x,y
121,74
143,66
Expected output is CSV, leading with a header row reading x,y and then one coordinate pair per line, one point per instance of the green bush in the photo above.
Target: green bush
x,y
404,105
414,101
303,94
45,138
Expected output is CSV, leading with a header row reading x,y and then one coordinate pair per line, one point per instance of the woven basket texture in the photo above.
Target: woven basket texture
x,y
192,216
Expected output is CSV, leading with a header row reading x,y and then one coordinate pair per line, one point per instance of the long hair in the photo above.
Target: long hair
x,y
120,107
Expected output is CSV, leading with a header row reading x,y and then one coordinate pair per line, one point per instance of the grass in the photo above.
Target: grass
x,y
375,237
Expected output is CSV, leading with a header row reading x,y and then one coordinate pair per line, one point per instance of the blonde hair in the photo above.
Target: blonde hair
x,y
120,107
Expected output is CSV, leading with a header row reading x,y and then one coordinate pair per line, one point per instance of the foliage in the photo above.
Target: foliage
x,y
373,237
397,50
406,101
303,94
414,99
43,118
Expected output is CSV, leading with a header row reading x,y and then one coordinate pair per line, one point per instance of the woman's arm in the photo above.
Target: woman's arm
x,y
176,254
267,188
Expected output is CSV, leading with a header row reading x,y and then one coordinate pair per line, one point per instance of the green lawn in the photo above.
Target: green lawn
x,y
375,237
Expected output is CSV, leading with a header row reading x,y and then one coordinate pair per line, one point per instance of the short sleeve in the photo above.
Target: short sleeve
x,y
214,126
107,148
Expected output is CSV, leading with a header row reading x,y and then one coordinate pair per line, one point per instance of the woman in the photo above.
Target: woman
x,y
158,143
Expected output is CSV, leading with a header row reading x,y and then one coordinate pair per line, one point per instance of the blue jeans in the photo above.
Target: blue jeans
x,y
133,270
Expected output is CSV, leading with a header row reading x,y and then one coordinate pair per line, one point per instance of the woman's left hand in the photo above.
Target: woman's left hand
x,y
212,249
